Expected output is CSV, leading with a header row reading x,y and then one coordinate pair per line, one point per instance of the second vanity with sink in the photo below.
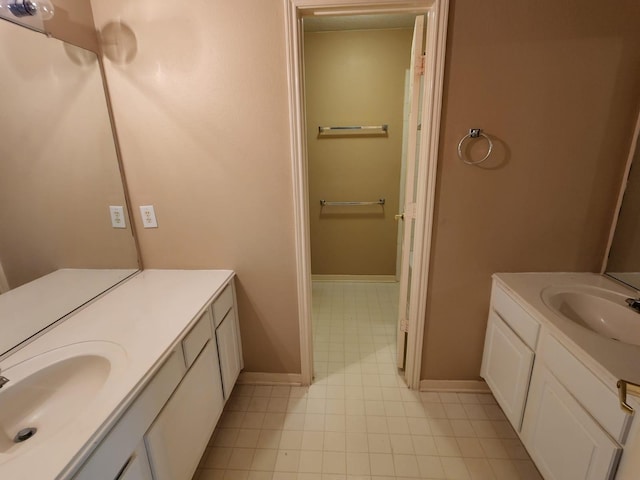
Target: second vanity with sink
x,y
556,346
128,388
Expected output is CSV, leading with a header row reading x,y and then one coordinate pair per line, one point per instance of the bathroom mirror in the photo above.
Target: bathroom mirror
x,y
623,262
59,175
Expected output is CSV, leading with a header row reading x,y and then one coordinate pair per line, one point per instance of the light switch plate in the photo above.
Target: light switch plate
x,y
148,216
117,216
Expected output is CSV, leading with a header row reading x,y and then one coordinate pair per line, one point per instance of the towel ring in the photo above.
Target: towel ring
x,y
474,133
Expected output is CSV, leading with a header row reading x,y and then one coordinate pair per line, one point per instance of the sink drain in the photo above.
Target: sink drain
x,y
25,434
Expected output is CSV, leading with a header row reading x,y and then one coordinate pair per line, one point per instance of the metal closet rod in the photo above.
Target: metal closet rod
x,y
324,203
361,128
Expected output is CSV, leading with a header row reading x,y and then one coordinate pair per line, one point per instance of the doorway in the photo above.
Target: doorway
x,y
359,80
419,212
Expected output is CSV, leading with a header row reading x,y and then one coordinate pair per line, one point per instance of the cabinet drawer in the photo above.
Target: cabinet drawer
x,y
179,435
197,338
523,324
506,367
223,304
596,398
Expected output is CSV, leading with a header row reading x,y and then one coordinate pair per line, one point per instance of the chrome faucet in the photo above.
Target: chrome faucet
x,y
3,380
634,303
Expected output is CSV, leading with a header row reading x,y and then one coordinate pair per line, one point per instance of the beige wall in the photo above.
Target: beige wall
x,y
556,85
201,112
59,171
341,91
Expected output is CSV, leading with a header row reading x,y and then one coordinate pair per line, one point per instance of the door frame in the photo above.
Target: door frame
x,y
436,26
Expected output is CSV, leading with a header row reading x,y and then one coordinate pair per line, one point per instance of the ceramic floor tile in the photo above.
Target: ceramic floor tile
x,y
269,439
382,464
398,425
310,462
379,443
247,438
334,462
455,468
278,404
401,444
312,441
260,475
406,466
290,440
218,457
494,448
471,447
419,426
264,459
211,474
359,421
424,445
225,437
430,466
240,458
287,461
357,442
258,404
479,469
335,441
294,421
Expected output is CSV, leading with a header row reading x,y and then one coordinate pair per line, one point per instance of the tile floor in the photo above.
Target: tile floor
x,y
359,420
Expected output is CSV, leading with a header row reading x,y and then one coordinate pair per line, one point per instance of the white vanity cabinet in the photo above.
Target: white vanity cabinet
x,y
508,354
164,432
228,339
178,437
137,467
567,418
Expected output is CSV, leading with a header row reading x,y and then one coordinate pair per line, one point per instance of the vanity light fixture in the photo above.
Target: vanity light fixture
x,y
31,14
29,8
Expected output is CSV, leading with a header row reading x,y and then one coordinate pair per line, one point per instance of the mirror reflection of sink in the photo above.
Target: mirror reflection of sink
x,y
602,311
50,391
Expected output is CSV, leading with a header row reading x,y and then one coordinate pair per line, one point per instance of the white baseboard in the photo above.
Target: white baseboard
x,y
354,278
462,386
260,378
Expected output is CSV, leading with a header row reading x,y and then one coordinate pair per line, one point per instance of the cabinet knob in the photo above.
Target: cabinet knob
x,y
399,216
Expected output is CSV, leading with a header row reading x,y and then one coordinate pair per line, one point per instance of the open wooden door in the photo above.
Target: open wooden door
x,y
408,216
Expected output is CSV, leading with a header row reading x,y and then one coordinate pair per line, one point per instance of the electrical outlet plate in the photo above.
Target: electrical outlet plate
x,y
148,216
117,216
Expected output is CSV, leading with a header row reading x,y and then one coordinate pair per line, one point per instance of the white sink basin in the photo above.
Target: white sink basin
x,y
602,311
51,391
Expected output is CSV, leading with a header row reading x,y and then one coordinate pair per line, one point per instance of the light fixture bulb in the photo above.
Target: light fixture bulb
x,y
45,8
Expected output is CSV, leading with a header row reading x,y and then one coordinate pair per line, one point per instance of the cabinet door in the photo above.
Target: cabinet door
x,y
229,351
138,466
506,367
179,435
563,439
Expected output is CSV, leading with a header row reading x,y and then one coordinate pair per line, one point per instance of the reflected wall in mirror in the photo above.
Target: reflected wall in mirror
x,y
59,174
623,262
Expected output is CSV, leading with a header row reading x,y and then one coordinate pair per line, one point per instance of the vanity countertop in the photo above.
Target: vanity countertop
x,y
146,316
610,359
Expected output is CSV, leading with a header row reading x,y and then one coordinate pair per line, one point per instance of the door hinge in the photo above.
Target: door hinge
x,y
420,66
410,210
404,326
